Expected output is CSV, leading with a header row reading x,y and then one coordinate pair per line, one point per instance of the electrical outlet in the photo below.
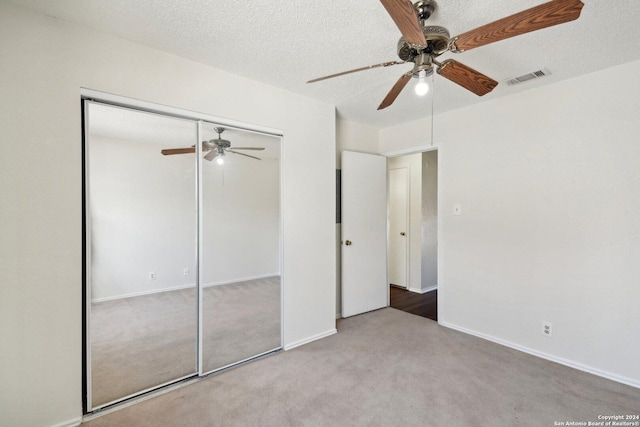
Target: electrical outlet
x,y
186,272
152,275
547,329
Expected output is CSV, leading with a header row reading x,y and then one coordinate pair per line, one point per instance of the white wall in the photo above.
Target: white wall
x,y
408,138
241,220
429,231
350,136
143,219
549,231
45,63
413,162
354,136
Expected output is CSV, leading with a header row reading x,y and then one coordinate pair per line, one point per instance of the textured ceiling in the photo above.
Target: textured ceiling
x,y
286,43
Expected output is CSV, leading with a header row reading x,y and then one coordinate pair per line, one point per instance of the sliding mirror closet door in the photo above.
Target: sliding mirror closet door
x,y
240,241
141,241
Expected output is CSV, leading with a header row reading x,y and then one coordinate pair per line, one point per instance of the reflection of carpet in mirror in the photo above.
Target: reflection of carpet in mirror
x,y
142,342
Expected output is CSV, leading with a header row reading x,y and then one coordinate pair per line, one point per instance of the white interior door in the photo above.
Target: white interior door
x,y
364,233
398,210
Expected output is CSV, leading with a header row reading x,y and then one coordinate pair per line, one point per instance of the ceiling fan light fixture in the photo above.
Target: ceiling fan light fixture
x,y
220,158
422,87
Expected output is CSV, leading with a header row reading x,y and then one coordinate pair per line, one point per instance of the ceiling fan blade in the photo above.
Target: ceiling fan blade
x,y
404,15
211,155
395,90
242,154
467,77
171,151
546,15
368,67
247,148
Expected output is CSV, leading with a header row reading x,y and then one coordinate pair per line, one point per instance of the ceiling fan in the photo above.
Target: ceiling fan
x,y
421,44
217,148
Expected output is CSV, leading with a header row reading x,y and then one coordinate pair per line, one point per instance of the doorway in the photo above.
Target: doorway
x,y
182,249
416,190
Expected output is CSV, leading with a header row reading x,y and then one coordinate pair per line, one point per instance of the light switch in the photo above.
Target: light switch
x,y
457,209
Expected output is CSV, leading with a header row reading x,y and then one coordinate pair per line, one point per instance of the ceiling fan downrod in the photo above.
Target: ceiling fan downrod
x,y
424,10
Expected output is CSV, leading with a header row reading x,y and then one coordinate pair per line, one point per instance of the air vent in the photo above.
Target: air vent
x,y
528,76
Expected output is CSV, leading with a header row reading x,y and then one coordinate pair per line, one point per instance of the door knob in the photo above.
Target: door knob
x,y
348,243
402,233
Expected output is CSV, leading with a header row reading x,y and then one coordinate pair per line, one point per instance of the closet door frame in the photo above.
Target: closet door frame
x,y
92,96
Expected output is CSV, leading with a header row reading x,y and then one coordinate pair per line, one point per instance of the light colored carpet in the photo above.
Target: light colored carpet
x,y
388,368
145,341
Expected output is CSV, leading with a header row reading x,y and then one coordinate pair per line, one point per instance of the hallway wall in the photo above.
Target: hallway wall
x,y
429,214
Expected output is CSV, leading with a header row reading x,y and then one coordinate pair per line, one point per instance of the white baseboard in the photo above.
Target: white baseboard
x,y
423,291
566,362
141,293
309,339
243,279
187,286
69,423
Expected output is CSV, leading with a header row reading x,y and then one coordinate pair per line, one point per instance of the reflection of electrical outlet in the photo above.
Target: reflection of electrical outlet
x,y
186,272
547,329
152,275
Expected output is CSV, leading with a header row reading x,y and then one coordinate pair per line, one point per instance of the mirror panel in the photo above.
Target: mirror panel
x,y
241,269
172,234
141,243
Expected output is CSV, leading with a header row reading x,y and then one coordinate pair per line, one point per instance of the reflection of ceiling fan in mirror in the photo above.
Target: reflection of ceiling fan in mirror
x,y
217,149
421,44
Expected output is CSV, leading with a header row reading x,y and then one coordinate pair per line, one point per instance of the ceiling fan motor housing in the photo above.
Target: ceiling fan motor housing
x,y
437,43
222,143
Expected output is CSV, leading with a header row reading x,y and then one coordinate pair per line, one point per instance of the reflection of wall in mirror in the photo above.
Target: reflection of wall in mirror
x,y
241,219
143,219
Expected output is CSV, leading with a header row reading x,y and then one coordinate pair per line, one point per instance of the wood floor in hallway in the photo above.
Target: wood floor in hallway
x,y
425,305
